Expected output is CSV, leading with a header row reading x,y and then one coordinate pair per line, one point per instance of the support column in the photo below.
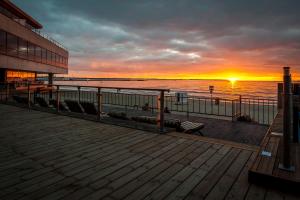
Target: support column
x,y
279,95
50,82
2,75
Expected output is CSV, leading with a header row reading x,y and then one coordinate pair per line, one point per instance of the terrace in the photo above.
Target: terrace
x,y
49,156
90,143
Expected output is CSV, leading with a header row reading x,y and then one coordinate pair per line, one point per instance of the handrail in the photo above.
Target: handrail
x,y
117,88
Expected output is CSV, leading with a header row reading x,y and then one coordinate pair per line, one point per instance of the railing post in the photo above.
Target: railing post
x,y
7,91
287,120
28,94
99,102
57,98
232,110
240,104
78,94
160,116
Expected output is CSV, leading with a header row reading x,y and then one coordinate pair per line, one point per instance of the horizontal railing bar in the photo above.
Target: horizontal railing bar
x,y
116,88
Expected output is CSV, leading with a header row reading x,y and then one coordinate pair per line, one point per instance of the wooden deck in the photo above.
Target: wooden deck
x,y
265,169
48,156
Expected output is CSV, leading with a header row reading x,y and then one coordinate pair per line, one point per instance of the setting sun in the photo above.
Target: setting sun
x,y
233,79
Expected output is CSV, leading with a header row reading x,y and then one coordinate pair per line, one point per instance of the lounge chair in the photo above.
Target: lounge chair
x,y
74,106
22,100
42,102
89,108
191,127
18,99
172,123
62,107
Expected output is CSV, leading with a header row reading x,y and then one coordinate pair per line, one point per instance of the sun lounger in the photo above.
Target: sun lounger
x,y
74,106
62,107
18,99
191,127
42,102
172,123
22,100
89,108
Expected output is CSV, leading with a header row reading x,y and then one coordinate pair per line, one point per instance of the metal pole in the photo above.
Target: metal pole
x,y
160,117
28,93
240,101
287,120
7,91
99,99
50,83
78,93
57,98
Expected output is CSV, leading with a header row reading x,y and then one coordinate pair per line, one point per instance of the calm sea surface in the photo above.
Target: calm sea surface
x,y
193,87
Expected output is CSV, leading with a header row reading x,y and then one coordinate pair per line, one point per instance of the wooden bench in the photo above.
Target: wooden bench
x,y
191,127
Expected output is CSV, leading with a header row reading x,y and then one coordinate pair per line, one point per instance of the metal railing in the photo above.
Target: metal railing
x,y
138,101
99,100
29,27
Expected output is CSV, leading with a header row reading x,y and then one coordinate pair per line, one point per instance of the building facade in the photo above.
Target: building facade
x,y
24,51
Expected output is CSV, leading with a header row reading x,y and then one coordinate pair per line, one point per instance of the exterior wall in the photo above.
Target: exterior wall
x,y
10,62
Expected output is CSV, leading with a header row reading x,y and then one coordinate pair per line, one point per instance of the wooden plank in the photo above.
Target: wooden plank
x,y
203,188
241,184
208,156
255,192
223,186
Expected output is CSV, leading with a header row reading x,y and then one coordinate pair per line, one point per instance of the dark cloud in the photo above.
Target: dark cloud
x,y
121,35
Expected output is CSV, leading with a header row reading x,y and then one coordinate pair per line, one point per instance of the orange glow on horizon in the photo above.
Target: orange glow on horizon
x,y
232,77
226,73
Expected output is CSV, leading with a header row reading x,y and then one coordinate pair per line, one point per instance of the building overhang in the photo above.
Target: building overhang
x,y
20,13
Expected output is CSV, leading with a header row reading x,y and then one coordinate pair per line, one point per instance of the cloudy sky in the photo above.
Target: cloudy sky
x,y
174,38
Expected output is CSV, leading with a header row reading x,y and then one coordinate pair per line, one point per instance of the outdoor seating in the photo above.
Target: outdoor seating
x,y
191,127
62,107
41,102
74,106
22,100
89,108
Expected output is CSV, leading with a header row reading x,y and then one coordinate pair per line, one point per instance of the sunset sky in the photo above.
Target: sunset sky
x,y
206,39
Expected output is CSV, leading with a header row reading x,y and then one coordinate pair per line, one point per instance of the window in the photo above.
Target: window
x,y
2,41
49,57
56,59
52,58
31,48
12,45
19,75
15,46
23,48
38,54
44,55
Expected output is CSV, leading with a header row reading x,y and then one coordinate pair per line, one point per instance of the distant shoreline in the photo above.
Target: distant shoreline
x,y
144,79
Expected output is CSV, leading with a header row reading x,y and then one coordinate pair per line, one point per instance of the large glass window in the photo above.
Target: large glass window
x,y
16,46
19,75
38,54
52,58
2,41
44,55
31,48
12,45
23,48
